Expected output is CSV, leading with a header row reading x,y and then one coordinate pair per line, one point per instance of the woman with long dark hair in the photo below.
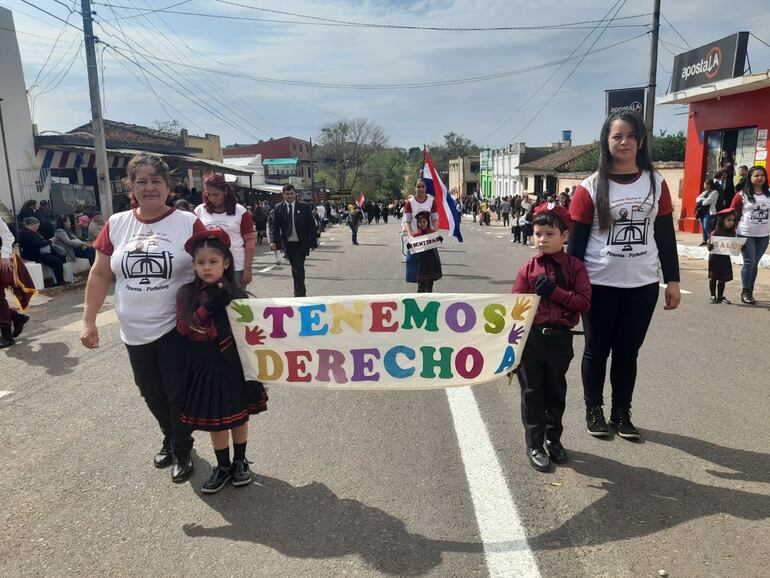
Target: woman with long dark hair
x,y
623,229
221,208
753,206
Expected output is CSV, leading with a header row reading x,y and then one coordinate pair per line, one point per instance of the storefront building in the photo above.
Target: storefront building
x,y
728,118
486,173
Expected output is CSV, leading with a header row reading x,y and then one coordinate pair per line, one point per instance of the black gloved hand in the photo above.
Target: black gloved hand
x,y
220,299
544,286
440,238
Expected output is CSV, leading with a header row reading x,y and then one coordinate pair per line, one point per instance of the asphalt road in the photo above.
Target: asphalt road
x,y
378,484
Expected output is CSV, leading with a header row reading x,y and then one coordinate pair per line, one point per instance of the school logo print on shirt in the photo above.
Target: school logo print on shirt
x,y
760,214
145,261
630,228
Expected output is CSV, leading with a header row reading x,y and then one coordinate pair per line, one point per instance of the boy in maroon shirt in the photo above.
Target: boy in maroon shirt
x,y
562,283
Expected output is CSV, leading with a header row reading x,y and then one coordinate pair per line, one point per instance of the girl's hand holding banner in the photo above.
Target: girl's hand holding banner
x,y
404,341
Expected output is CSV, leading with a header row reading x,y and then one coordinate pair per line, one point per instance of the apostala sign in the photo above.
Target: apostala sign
x,y
712,62
625,100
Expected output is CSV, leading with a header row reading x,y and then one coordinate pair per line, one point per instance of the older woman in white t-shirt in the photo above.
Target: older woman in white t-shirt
x,y
221,209
143,251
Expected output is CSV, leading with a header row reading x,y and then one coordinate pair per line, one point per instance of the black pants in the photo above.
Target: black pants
x,y
56,265
159,372
87,253
616,323
542,376
8,316
296,256
425,286
506,220
516,230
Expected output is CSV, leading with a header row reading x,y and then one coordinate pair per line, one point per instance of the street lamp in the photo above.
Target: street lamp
x,y
8,169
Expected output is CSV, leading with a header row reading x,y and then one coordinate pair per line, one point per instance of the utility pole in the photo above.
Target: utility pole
x,y
100,146
649,109
8,169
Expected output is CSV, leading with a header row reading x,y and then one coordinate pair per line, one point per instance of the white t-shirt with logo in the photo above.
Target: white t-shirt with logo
x,y
625,255
755,215
150,266
413,207
238,227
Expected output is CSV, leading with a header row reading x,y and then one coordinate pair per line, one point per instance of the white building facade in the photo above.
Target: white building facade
x,y
16,120
506,181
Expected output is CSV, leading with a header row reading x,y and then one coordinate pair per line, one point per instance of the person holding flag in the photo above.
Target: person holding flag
x,y
446,208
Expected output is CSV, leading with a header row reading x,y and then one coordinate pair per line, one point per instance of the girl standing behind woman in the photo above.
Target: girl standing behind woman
x,y
623,228
428,262
720,266
752,205
219,400
220,208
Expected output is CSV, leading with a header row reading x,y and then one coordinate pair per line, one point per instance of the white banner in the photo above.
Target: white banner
x,y
728,245
424,242
377,342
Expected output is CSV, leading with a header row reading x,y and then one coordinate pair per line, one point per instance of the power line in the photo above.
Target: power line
x,y
759,39
547,80
50,52
675,30
554,93
409,85
52,15
181,79
346,24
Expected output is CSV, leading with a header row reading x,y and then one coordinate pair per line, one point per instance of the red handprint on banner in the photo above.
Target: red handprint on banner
x,y
255,335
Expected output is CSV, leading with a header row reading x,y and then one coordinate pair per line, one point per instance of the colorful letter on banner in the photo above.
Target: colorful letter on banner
x,y
362,342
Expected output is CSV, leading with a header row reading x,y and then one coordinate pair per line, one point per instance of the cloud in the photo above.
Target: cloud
x,y
366,55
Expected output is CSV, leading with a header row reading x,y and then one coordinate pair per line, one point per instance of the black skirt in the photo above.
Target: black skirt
x,y
428,265
720,268
218,396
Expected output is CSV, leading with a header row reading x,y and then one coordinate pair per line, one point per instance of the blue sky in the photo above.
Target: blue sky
x,y
253,108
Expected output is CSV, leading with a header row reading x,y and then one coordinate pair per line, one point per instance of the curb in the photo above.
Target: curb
x,y
702,253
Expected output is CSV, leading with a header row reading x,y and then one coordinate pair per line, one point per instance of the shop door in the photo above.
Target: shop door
x,y
738,143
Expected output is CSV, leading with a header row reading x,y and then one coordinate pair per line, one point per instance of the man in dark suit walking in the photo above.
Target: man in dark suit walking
x,y
294,232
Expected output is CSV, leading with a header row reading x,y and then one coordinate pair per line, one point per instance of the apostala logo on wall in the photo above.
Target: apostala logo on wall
x,y
709,66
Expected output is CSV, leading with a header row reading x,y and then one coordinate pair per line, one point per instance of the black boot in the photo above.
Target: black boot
x,y
182,468
6,340
747,297
164,456
620,419
19,321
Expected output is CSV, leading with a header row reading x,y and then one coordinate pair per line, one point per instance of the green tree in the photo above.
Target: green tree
x,y
383,174
167,127
344,148
665,148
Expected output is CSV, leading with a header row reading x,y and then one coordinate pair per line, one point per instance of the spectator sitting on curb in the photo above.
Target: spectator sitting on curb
x,y
65,240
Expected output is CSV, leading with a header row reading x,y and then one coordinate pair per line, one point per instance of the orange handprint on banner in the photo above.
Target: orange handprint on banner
x,y
520,308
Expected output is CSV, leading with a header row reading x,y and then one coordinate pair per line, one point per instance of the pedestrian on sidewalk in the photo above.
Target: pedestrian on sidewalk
x,y
706,207
505,210
752,205
623,229
354,219
219,399
142,250
562,283
516,228
720,266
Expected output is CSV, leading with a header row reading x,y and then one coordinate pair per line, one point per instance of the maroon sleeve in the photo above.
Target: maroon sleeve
x,y
247,224
577,299
581,209
103,243
665,207
200,315
521,285
737,204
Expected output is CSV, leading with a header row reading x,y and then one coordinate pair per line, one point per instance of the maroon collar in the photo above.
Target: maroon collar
x,y
559,257
156,219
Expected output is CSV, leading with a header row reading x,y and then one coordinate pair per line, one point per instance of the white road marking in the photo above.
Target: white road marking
x,y
499,236
331,238
322,243
502,533
682,291
3,393
266,269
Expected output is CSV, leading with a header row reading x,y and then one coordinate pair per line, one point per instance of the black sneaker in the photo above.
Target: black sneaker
x,y
597,425
241,473
620,419
713,299
725,300
219,478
